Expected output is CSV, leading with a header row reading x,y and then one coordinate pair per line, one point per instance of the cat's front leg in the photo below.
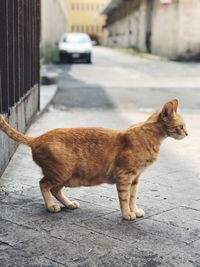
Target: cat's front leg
x,y
133,197
123,189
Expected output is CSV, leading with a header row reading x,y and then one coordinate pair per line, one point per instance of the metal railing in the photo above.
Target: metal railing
x,y
19,50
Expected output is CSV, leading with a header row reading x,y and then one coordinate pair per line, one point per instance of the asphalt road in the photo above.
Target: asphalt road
x,y
134,83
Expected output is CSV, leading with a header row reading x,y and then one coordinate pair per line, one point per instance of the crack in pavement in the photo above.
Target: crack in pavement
x,y
6,243
100,233
58,262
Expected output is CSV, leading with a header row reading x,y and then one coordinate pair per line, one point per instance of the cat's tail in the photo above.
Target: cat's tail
x,y
14,134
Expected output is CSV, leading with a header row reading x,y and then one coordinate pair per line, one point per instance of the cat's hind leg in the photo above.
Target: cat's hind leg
x,y
58,194
45,186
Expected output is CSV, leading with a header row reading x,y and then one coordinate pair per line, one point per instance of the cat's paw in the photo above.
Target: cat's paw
x,y
74,205
139,213
129,216
54,208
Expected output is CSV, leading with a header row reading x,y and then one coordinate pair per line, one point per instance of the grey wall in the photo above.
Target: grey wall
x,y
20,117
53,23
174,31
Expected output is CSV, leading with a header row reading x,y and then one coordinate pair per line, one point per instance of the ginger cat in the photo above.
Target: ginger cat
x,y
91,156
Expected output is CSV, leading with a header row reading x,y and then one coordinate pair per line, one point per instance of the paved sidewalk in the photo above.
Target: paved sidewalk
x,y
95,235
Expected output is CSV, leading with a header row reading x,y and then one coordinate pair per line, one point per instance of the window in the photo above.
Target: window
x,y
78,38
72,28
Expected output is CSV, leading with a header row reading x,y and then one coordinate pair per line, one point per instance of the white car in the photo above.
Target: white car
x,y
75,46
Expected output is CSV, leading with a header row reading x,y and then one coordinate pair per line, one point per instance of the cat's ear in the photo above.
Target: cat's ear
x,y
175,104
169,108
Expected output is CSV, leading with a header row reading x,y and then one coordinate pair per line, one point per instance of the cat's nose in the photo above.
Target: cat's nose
x,y
186,133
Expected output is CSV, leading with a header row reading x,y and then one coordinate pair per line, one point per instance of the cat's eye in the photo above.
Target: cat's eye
x,y
181,127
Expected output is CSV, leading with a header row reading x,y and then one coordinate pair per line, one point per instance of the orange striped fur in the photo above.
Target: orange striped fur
x,y
75,157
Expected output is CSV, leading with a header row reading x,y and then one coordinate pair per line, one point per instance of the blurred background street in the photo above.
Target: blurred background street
x,y
128,82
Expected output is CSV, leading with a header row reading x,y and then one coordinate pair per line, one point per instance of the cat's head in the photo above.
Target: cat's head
x,y
172,122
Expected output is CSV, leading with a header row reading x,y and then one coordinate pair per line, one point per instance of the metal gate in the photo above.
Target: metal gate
x,y
19,50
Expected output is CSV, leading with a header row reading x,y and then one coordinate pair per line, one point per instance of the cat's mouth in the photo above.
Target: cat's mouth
x,y
185,132
179,137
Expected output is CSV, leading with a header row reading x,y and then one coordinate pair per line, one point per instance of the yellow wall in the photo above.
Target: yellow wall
x,y
63,5
84,16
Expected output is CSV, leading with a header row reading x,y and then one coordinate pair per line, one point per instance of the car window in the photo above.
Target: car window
x,y
81,39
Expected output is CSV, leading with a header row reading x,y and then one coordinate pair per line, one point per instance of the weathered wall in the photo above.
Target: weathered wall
x,y
175,29
141,45
129,31
20,117
54,22
164,29
189,25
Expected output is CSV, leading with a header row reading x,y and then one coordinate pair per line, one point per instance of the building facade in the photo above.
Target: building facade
x,y
84,16
167,28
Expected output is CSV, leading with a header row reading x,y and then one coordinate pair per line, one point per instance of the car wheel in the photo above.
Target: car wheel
x,y
89,59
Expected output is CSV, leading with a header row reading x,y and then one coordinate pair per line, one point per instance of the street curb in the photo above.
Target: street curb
x,y
48,90
140,54
45,106
47,94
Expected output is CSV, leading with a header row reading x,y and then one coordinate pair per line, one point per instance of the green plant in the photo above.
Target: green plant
x,y
48,54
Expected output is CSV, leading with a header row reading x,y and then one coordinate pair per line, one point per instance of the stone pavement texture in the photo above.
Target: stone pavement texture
x,y
95,234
